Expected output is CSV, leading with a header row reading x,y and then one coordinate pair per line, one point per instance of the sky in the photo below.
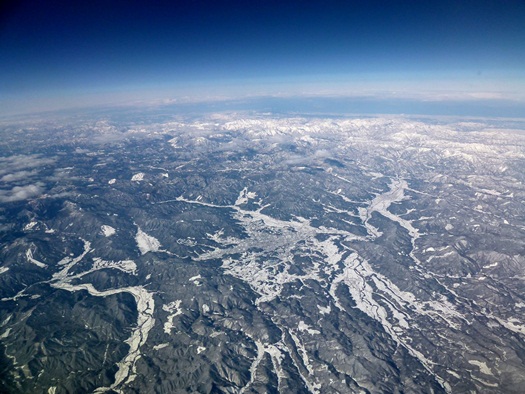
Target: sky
x,y
58,53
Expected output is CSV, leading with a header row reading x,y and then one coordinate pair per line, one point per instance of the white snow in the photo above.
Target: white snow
x,y
324,310
174,309
187,241
196,280
29,256
381,203
128,266
30,225
267,271
277,359
305,327
483,368
253,367
108,231
144,301
309,380
244,196
5,334
139,176
146,243
174,142
200,349
68,263
510,324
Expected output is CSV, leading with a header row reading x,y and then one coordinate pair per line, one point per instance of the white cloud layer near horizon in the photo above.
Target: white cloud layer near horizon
x,y
459,87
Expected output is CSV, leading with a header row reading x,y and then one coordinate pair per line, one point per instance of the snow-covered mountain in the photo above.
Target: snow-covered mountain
x,y
245,252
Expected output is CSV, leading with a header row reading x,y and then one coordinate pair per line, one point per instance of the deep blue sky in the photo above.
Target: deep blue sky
x,y
64,52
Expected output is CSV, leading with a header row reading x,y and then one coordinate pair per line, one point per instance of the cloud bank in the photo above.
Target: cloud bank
x,y
19,193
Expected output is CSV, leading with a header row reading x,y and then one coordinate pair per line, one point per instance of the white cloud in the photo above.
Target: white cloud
x,y
19,193
17,176
17,163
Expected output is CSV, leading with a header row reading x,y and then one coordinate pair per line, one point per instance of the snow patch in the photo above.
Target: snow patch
x,y
305,327
127,370
244,196
255,364
5,334
196,280
146,243
138,177
30,226
128,266
29,256
324,310
174,309
108,231
483,368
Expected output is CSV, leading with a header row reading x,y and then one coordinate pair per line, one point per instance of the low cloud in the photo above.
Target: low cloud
x,y
17,176
18,163
322,153
19,193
